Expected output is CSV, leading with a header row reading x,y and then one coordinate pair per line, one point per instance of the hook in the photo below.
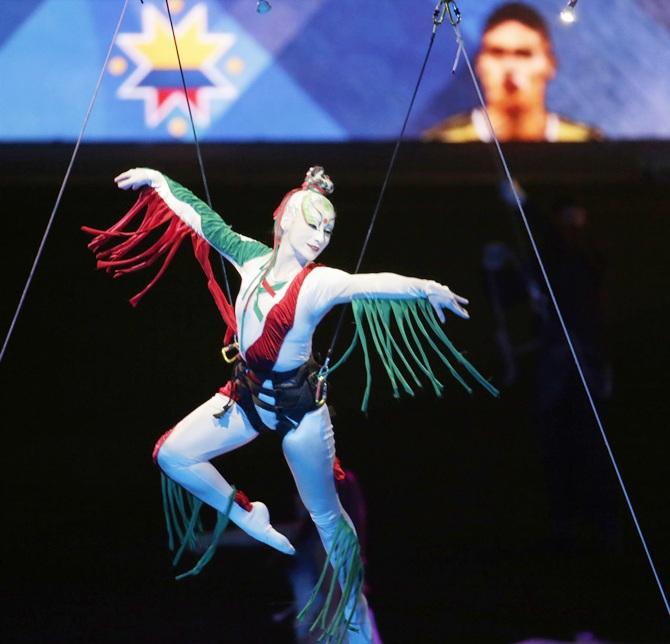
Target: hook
x,y
454,12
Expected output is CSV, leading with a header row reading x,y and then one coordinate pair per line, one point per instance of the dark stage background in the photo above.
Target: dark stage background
x,y
461,544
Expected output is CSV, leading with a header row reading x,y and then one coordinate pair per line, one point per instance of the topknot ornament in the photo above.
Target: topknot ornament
x,y
317,180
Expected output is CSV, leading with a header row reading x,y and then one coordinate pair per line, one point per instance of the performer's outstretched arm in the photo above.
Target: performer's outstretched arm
x,y
338,287
194,212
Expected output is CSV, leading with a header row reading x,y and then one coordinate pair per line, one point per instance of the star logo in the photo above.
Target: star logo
x,y
156,79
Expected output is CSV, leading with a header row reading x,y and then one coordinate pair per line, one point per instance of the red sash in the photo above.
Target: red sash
x,y
263,353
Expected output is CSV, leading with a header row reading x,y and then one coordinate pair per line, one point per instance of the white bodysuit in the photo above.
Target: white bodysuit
x,y
309,448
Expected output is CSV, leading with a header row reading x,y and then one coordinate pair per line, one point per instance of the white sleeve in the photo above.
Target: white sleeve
x,y
331,286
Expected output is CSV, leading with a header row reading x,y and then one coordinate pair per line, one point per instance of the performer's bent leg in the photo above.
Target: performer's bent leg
x,y
310,451
184,456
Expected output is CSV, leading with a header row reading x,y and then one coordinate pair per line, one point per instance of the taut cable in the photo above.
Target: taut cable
x,y
201,164
439,14
568,338
63,184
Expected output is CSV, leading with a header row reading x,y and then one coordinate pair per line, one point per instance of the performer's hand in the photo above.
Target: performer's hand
x,y
442,297
136,178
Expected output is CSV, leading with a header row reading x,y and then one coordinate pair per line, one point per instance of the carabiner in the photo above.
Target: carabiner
x,y
454,12
233,346
440,13
321,392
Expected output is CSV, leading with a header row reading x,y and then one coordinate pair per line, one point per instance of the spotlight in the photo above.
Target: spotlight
x,y
263,6
568,15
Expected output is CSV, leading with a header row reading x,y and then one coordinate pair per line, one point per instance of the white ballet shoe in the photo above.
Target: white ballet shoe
x,y
256,523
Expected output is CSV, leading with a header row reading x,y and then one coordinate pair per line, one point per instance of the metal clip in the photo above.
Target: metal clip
x,y
440,13
233,346
321,386
454,12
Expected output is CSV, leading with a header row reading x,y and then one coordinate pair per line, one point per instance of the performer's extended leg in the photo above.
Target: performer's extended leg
x,y
184,457
310,451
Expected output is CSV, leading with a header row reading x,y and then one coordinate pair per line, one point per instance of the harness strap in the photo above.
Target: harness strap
x,y
292,391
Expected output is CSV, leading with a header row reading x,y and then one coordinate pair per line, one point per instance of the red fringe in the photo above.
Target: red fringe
x,y
114,248
243,501
262,354
201,250
338,470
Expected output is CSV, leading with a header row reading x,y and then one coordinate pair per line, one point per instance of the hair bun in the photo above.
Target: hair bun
x,y
317,180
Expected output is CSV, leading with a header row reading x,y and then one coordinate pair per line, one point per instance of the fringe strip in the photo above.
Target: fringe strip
x,y
416,324
184,527
121,249
345,564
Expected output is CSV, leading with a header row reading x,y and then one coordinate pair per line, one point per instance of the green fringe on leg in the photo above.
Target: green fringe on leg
x,y
222,519
184,526
189,537
346,566
399,330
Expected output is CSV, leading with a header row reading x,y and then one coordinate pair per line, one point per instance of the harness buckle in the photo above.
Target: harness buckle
x,y
227,356
440,13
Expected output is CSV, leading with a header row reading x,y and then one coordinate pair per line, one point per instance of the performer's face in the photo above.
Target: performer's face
x,y
514,65
311,228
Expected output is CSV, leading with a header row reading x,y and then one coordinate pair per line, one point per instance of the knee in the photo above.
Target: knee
x,y
164,454
159,444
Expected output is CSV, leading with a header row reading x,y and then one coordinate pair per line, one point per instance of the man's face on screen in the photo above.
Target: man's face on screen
x,y
514,64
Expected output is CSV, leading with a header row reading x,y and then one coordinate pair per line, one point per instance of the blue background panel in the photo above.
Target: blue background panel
x,y
329,70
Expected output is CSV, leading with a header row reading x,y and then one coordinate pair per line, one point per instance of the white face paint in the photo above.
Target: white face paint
x,y
310,227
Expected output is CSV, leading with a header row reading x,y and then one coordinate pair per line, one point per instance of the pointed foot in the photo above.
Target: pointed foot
x,y
256,523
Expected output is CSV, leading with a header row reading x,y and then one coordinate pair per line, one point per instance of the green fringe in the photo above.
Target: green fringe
x,y
405,359
345,564
184,526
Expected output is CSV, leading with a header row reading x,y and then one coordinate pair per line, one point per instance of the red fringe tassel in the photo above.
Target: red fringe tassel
x,y
114,248
338,470
243,501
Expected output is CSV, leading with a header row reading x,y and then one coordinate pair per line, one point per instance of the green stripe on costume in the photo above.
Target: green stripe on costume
x,y
217,232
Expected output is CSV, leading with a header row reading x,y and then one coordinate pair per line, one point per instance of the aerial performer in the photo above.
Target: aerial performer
x,y
277,388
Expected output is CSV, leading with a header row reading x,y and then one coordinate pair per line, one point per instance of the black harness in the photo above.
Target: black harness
x,y
294,393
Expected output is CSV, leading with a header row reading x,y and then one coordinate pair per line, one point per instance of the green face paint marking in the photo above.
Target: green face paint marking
x,y
316,209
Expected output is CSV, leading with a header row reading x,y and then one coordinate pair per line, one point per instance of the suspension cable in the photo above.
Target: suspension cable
x,y
63,183
462,49
442,10
201,164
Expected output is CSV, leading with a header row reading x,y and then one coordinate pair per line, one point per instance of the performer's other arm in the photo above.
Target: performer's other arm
x,y
195,213
334,286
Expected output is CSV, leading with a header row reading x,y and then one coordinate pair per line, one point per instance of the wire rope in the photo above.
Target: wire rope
x,y
196,141
438,19
462,49
63,184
